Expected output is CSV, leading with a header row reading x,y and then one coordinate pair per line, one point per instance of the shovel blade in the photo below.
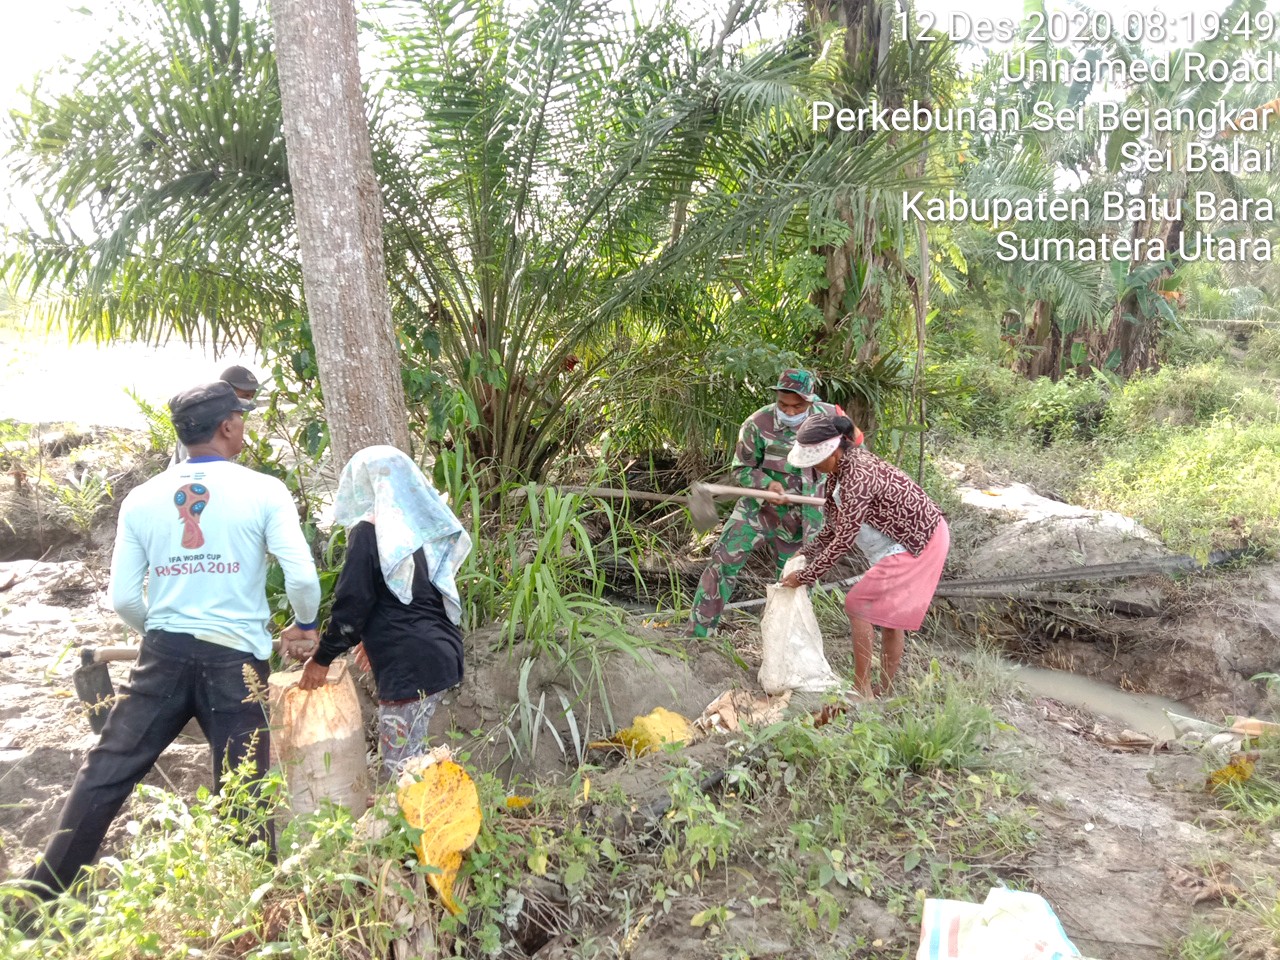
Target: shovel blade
x,y
702,509
94,688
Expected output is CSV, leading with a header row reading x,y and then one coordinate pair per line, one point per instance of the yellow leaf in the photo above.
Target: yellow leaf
x,y
710,915
444,805
586,788
518,802
646,734
538,863
1238,769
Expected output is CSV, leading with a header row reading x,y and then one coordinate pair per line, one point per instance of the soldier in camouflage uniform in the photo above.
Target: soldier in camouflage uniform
x,y
760,461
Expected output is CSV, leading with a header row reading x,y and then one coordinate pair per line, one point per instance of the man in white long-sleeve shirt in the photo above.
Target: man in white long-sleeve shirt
x,y
198,536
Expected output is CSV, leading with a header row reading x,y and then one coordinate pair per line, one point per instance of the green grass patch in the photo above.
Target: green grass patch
x,y
1186,346
1201,490
1188,396
973,394
1070,409
1205,942
1056,470
1263,355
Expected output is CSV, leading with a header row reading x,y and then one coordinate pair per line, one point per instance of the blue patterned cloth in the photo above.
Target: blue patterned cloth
x,y
383,486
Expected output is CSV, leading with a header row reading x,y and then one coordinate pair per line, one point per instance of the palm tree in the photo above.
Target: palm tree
x,y
1130,341
554,184
869,257
162,185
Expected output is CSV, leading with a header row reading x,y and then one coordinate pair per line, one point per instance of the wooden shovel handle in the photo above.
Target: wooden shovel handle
x,y
114,654
721,490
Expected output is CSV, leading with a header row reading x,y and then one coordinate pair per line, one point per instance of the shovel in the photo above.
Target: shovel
x,y
702,506
93,682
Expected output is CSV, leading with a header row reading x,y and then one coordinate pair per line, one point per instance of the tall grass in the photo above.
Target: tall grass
x,y
818,812
535,569
197,880
1204,489
1189,396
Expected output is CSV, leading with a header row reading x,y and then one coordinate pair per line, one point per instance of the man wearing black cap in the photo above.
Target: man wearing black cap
x,y
246,386
198,535
242,381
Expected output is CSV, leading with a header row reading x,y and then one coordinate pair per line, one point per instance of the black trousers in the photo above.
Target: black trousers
x,y
177,677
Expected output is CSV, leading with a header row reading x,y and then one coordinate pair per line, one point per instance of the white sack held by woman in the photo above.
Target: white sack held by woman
x,y
793,656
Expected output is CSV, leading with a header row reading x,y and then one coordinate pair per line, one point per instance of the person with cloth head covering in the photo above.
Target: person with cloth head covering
x,y
396,596
864,490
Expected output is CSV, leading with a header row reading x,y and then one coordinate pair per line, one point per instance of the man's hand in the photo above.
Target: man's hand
x,y
361,658
779,490
314,676
791,580
298,644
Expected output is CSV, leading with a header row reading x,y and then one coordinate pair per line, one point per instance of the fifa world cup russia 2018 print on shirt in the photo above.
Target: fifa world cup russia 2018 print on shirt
x,y
191,499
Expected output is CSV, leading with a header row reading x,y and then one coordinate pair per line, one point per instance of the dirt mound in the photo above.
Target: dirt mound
x,y
505,711
523,717
1112,825
65,491
1198,640
48,611
1046,534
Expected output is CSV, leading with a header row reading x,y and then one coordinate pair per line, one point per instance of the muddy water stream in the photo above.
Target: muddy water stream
x,y
1141,712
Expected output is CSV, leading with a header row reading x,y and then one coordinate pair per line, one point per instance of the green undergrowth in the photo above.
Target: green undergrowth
x,y
890,802
540,566
1248,923
196,879
1191,451
1193,395
1205,942
1257,798
1217,486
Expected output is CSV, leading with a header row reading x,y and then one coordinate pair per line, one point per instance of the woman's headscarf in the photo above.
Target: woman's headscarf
x,y
383,486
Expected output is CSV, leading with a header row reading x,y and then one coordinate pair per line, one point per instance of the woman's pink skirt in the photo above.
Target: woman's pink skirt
x,y
896,592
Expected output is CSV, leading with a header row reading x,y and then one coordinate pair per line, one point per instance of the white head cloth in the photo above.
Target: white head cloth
x,y
383,486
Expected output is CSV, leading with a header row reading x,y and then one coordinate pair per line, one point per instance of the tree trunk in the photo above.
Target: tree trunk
x,y
865,43
1045,338
338,208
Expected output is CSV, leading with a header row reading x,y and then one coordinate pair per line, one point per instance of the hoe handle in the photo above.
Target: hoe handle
x,y
109,654
717,489
90,655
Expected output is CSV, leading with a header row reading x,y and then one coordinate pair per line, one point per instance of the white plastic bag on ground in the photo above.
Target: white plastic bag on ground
x,y
793,657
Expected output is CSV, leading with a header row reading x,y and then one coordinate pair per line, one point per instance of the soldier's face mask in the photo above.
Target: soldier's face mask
x,y
792,420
